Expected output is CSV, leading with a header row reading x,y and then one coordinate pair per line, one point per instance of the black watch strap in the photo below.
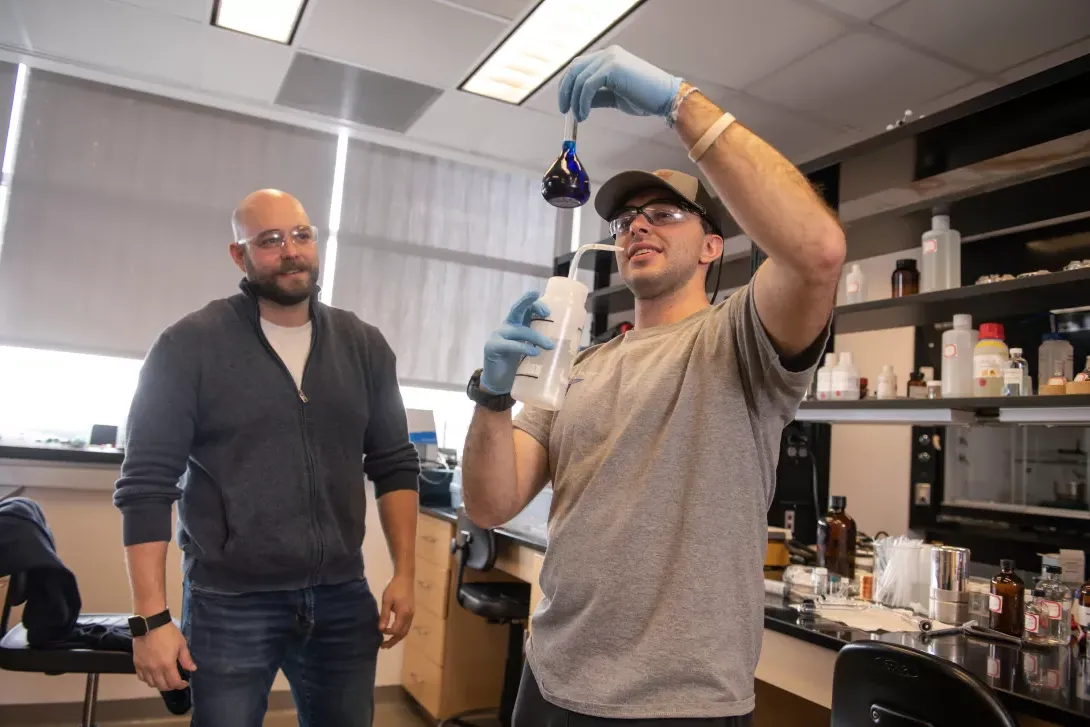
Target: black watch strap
x,y
140,625
492,402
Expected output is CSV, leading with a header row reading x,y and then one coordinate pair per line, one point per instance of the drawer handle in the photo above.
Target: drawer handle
x,y
429,538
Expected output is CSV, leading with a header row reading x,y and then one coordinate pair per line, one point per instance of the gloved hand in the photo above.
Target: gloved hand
x,y
513,341
617,79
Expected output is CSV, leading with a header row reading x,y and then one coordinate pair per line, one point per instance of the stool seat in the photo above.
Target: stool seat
x,y
17,655
496,602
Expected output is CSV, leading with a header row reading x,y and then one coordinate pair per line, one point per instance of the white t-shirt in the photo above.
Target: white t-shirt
x,y
292,345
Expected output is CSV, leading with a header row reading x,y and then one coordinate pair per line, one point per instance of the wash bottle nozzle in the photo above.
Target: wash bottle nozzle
x,y
579,255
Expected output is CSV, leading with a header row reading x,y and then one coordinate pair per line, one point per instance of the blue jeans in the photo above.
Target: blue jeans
x,y
325,638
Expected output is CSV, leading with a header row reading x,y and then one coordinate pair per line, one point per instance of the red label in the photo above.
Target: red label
x,y
1052,679
949,350
853,287
1054,609
995,603
1031,622
930,246
993,667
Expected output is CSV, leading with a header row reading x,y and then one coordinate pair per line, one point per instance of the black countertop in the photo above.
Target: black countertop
x,y
62,453
1052,684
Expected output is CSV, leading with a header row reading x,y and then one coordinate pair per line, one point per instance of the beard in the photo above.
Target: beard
x,y
268,286
652,285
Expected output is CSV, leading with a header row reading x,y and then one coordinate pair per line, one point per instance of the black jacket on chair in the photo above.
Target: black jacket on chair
x,y
52,596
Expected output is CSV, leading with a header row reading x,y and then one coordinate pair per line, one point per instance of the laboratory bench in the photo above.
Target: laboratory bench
x,y
447,671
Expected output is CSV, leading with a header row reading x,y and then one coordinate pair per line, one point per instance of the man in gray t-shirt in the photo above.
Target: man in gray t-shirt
x,y
663,453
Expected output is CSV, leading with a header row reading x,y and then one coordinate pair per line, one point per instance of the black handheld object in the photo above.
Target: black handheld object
x,y
179,701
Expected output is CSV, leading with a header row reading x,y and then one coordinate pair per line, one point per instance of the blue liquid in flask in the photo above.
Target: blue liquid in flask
x,y
566,184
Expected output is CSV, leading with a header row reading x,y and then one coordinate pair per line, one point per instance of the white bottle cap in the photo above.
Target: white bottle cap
x,y
940,223
830,359
963,321
887,370
846,358
571,292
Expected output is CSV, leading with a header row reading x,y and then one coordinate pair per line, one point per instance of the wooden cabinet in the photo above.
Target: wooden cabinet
x,y
453,659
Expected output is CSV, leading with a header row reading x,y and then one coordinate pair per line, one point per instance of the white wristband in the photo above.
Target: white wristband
x,y
706,141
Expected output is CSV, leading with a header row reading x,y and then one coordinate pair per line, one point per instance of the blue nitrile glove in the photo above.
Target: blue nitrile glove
x,y
615,78
513,341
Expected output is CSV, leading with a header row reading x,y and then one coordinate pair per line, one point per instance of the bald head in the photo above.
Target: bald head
x,y
267,209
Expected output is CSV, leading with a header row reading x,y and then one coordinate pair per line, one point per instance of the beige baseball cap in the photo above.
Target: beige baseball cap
x,y
620,188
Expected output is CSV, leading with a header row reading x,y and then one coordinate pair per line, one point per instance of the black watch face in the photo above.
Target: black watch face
x,y
138,626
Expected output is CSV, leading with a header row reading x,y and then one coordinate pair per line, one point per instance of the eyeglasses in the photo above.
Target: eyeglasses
x,y
657,212
301,236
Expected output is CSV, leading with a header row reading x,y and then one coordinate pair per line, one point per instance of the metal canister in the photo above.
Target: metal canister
x,y
949,584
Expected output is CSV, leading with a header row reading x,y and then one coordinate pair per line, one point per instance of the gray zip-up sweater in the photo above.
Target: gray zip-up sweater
x,y
270,478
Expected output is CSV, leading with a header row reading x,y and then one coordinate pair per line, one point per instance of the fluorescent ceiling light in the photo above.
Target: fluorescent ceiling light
x,y
271,19
543,43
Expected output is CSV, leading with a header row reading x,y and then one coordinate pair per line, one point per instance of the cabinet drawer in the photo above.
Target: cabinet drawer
x,y
427,635
433,538
431,588
422,679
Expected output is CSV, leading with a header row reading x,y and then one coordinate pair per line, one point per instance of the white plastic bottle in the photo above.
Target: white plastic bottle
x,y
825,378
855,283
845,379
940,263
887,383
542,380
957,358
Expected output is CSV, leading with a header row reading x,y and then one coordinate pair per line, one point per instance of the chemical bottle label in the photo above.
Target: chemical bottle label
x,y
1052,679
995,603
993,667
1032,623
853,287
1084,616
950,350
1053,609
1029,663
930,245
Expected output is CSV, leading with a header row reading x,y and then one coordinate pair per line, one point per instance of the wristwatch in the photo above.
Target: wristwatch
x,y
140,626
492,402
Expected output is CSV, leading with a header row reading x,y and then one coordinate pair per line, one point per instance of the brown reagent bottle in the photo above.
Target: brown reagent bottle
x,y
1007,601
838,542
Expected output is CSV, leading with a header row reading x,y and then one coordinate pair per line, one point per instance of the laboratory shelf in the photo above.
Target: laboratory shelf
x,y
1036,294
1071,409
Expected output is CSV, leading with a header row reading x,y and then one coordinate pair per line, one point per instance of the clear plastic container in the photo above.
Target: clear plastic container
x,y
1016,375
825,378
845,385
887,383
1057,604
957,358
855,285
542,380
1055,356
940,263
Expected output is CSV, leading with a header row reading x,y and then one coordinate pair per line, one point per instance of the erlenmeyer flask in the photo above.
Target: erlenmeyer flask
x,y
566,184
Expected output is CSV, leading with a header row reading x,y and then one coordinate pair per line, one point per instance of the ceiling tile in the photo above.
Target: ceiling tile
x,y
860,80
198,10
12,28
862,9
1048,60
990,35
955,97
509,9
420,40
729,42
149,45
479,125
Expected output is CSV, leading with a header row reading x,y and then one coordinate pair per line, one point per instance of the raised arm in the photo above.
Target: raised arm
x,y
771,200
795,289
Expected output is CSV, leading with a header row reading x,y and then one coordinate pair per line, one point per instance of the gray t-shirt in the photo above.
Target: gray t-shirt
x,y
663,462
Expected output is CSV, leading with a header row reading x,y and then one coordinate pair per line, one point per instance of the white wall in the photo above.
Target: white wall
x,y
87,529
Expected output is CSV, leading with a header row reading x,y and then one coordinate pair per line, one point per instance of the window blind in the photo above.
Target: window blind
x,y
119,217
434,252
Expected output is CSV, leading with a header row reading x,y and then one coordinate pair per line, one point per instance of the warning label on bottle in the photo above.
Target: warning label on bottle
x,y
930,245
993,667
995,603
950,350
1032,622
1054,609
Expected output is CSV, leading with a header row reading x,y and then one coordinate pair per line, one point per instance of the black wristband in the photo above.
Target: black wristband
x,y
492,402
140,626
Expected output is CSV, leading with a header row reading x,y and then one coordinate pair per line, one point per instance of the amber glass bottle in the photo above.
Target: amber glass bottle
x,y
838,539
905,279
1007,601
